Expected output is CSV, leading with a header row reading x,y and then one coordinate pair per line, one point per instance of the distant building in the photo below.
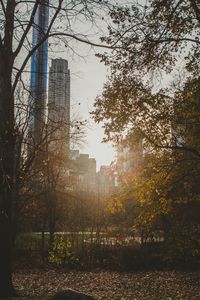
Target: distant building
x,y
86,164
129,158
82,171
84,177
105,181
59,96
86,168
74,154
39,60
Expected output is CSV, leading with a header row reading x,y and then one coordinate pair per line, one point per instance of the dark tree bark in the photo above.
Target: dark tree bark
x,y
6,286
6,197
7,144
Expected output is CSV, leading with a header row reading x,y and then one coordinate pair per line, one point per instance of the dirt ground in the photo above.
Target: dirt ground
x,y
110,285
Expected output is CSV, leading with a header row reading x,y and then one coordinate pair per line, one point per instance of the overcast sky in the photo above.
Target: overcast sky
x,y
87,79
88,76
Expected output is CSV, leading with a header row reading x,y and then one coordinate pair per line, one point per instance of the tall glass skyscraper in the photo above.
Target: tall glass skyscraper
x,y
39,63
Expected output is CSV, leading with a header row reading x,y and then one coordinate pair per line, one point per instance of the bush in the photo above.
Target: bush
x,y
137,257
62,253
182,249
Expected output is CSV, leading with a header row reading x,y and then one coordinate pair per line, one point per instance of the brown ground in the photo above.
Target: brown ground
x,y
111,285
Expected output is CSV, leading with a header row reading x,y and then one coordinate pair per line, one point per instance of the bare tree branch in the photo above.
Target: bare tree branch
x,y
24,36
3,7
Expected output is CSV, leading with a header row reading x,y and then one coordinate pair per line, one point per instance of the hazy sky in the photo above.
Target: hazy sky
x,y
87,78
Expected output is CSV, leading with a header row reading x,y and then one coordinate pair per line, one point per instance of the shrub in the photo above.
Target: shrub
x,y
62,253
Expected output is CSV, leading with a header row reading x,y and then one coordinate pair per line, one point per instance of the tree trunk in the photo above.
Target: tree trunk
x,y
6,197
7,176
6,286
52,218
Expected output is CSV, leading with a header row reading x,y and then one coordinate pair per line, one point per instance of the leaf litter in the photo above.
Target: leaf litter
x,y
107,285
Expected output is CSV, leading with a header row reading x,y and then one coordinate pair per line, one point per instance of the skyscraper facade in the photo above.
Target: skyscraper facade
x,y
59,96
38,90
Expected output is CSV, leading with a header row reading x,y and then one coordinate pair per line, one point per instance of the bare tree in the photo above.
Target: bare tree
x,y
16,22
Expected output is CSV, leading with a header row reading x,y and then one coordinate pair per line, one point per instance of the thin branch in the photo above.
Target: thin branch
x,y
170,17
170,147
36,47
31,21
82,40
3,7
169,40
196,9
55,34
1,43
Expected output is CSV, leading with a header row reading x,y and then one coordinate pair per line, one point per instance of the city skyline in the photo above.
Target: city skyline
x,y
84,88
87,79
